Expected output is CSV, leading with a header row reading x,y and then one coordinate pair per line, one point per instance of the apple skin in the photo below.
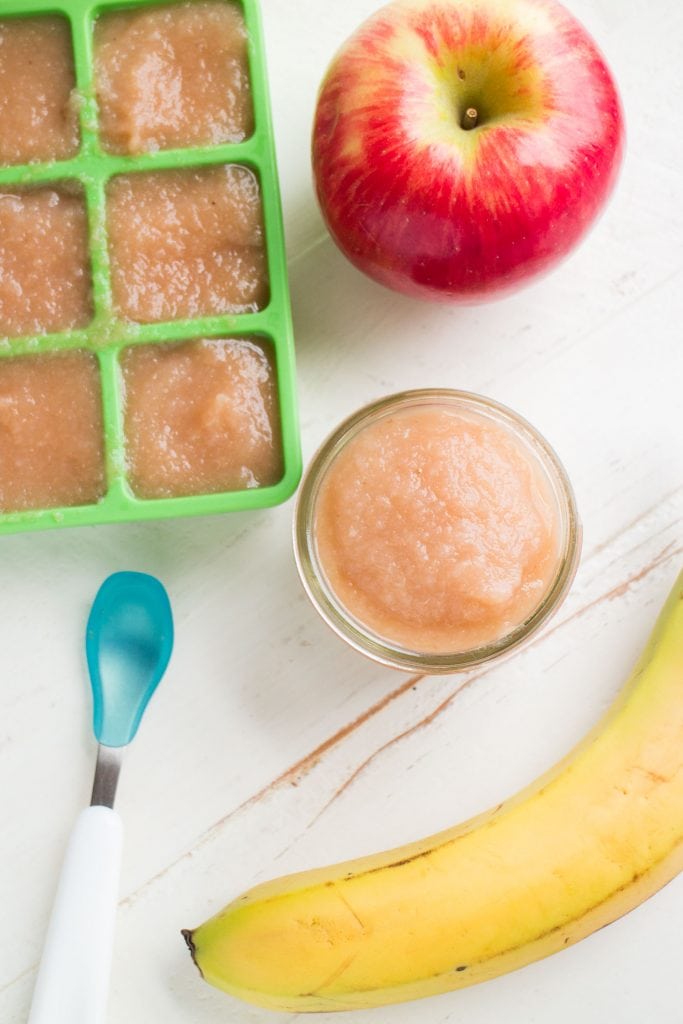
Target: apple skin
x,y
440,211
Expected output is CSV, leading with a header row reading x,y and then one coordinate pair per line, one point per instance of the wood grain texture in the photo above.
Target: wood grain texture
x,y
271,746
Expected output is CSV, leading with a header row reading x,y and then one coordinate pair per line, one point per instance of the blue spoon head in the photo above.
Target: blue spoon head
x,y
128,644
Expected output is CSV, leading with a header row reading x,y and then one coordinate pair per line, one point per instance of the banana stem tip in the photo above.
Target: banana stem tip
x,y
187,934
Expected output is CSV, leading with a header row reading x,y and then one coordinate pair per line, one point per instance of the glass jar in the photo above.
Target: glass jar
x,y
540,457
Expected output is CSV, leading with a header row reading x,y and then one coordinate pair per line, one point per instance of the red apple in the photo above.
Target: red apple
x,y
462,147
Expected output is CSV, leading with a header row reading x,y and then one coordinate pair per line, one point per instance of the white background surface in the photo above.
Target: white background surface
x,y
270,746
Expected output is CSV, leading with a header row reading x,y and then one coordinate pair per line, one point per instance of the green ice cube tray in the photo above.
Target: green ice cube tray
x,y
107,336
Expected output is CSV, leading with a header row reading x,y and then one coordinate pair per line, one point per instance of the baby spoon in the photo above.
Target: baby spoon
x,y
128,644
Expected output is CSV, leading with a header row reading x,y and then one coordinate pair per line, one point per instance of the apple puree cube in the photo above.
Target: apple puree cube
x,y
175,75
51,447
186,243
38,112
201,417
45,282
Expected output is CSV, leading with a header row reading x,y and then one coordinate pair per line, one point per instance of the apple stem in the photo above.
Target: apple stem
x,y
469,119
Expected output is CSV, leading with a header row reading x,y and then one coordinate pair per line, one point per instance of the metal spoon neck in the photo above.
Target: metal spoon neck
x,y
106,778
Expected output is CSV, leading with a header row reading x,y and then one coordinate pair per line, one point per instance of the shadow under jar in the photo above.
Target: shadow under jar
x,y
436,530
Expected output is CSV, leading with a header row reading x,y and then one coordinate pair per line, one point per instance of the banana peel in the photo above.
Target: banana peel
x,y
583,845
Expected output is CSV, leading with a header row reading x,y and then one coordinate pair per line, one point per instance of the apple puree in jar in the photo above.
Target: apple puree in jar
x,y
201,417
38,108
51,451
437,529
45,280
175,75
187,243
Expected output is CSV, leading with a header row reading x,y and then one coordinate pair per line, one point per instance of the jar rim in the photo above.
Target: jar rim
x,y
340,619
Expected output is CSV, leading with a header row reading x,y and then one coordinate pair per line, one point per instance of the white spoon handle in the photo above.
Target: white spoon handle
x,y
73,977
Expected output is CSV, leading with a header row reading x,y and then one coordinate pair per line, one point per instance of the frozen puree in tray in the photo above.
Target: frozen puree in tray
x,y
437,529
187,243
201,417
51,450
44,265
38,112
174,75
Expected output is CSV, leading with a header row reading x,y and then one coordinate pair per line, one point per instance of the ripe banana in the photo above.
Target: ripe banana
x,y
582,846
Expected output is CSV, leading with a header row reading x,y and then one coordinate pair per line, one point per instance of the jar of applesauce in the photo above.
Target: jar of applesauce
x,y
436,530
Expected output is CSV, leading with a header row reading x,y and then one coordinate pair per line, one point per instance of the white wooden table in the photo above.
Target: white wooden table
x,y
272,747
